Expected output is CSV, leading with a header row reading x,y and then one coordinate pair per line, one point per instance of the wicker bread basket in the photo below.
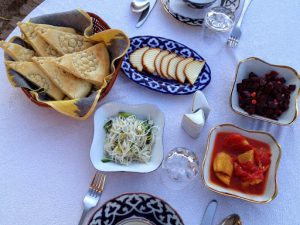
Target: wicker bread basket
x,y
98,26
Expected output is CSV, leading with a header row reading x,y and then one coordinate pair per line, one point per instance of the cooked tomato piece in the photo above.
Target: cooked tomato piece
x,y
262,158
237,142
248,172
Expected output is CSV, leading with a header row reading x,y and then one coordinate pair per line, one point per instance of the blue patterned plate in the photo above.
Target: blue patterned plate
x,y
136,208
157,83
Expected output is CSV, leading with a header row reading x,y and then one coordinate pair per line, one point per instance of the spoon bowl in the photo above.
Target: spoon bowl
x,y
138,6
233,219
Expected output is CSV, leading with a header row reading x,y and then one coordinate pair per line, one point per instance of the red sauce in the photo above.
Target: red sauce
x,y
236,183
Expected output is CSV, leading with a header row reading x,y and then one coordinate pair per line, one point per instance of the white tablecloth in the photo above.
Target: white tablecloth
x,y
45,168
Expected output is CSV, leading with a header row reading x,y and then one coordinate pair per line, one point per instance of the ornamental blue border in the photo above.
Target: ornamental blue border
x,y
157,83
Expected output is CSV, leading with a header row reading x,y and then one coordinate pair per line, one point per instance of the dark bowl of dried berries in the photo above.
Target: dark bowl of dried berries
x,y
265,91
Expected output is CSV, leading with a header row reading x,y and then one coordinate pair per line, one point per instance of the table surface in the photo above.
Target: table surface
x,y
45,168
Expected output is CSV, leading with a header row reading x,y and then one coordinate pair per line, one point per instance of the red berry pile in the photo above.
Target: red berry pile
x,y
266,96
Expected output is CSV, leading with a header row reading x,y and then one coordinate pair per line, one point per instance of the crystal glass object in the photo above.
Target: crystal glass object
x,y
219,19
180,167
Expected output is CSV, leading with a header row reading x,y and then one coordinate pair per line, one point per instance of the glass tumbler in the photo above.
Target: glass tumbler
x,y
219,19
179,168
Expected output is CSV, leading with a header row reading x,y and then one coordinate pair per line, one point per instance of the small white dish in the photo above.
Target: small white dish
x,y
142,111
260,68
271,184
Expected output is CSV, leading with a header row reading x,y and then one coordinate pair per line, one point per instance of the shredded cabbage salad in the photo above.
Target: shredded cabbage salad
x,y
128,139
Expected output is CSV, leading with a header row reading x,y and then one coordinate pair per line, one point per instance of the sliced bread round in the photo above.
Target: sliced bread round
x,y
180,76
149,58
165,63
158,59
136,58
172,67
192,70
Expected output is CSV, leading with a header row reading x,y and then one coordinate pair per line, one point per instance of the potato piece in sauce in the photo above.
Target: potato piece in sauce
x,y
224,178
246,157
223,167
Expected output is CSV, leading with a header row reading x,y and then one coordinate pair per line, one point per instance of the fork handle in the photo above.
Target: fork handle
x,y
84,213
245,7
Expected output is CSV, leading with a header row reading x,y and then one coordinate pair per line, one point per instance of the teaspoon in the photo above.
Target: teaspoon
x,y
139,5
233,219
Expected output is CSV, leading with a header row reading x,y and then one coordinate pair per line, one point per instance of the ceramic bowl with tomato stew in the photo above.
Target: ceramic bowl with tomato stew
x,y
265,91
241,163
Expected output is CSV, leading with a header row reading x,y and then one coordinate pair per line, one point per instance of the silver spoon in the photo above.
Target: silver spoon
x,y
233,219
138,6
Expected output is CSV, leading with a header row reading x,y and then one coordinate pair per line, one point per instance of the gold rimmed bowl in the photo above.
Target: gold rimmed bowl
x,y
270,191
261,68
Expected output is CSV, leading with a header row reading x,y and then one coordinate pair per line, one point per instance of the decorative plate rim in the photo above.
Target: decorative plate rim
x,y
135,193
256,116
206,66
234,195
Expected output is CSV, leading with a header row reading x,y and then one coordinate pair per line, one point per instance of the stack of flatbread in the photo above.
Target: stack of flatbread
x,y
166,64
65,64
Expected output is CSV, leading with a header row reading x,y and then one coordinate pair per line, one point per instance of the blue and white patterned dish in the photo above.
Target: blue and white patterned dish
x,y
157,83
136,208
199,4
195,17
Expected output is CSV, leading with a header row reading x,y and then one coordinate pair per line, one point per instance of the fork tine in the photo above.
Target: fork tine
x,y
95,180
236,42
232,41
229,41
101,186
98,183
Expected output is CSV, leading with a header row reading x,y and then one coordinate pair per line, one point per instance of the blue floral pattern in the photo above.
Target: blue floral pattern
x,y
157,83
136,205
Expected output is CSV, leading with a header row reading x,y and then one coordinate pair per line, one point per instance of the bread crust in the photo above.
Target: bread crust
x,y
178,59
185,60
132,55
144,62
195,77
164,61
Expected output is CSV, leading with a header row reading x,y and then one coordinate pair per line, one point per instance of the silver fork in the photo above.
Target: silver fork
x,y
93,195
236,33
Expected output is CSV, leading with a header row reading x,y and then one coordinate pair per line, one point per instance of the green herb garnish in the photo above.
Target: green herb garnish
x,y
106,160
125,114
107,126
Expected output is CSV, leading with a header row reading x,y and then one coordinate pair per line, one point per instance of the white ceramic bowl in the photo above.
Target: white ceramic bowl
x,y
261,67
142,111
271,184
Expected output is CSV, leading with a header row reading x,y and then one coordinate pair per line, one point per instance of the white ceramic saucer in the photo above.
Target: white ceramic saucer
x,y
191,16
